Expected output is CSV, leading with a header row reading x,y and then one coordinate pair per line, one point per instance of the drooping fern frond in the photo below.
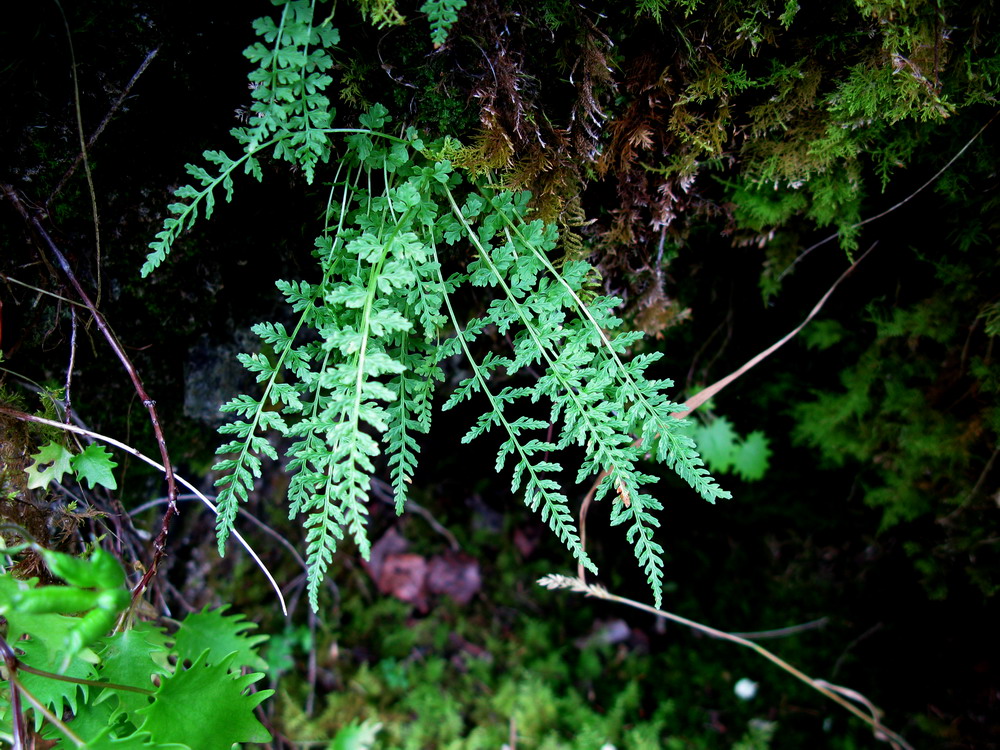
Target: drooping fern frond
x,y
186,214
648,407
287,87
290,113
349,389
539,491
597,401
442,15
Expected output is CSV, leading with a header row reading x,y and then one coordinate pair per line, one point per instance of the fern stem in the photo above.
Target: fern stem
x,y
578,552
584,311
606,449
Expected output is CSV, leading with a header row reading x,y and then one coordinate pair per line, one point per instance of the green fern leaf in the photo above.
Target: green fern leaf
x,y
96,466
442,15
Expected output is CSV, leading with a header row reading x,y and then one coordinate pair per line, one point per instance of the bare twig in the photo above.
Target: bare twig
x,y
115,106
19,727
243,512
83,153
39,290
118,512
850,646
384,493
903,202
971,494
67,397
159,545
727,321
82,681
760,635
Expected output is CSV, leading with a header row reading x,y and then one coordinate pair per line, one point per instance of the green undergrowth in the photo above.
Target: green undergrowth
x,y
915,411
432,688
535,669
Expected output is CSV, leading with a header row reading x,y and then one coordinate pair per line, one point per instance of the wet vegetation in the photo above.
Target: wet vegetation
x,y
563,222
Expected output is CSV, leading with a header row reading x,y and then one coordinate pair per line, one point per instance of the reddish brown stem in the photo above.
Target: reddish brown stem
x,y
19,726
159,544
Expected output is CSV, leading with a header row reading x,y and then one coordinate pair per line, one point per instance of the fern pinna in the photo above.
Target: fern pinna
x,y
356,375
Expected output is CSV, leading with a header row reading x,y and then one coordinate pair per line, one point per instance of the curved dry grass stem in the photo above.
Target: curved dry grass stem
x,y
836,693
703,395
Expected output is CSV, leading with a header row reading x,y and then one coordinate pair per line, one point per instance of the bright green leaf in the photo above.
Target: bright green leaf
x,y
132,658
95,465
51,463
220,634
47,648
717,443
356,736
752,456
221,715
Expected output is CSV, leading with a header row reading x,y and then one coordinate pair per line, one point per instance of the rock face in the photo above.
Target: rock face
x,y
213,375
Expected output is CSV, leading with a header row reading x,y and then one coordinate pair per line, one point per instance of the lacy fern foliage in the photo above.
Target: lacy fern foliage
x,y
356,376
442,15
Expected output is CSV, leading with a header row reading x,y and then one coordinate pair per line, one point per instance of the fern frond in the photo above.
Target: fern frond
x,y
291,114
186,214
442,15
410,414
649,409
288,87
350,385
539,491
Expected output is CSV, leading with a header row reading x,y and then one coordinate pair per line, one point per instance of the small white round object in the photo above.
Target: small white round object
x,y
745,689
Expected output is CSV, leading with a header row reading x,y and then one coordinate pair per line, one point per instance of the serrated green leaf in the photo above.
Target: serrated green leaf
x,y
356,736
90,725
44,640
822,334
96,466
222,714
717,443
136,741
752,456
132,657
217,635
52,462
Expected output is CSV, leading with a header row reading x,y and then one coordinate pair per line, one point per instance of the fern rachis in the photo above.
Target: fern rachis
x,y
356,376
